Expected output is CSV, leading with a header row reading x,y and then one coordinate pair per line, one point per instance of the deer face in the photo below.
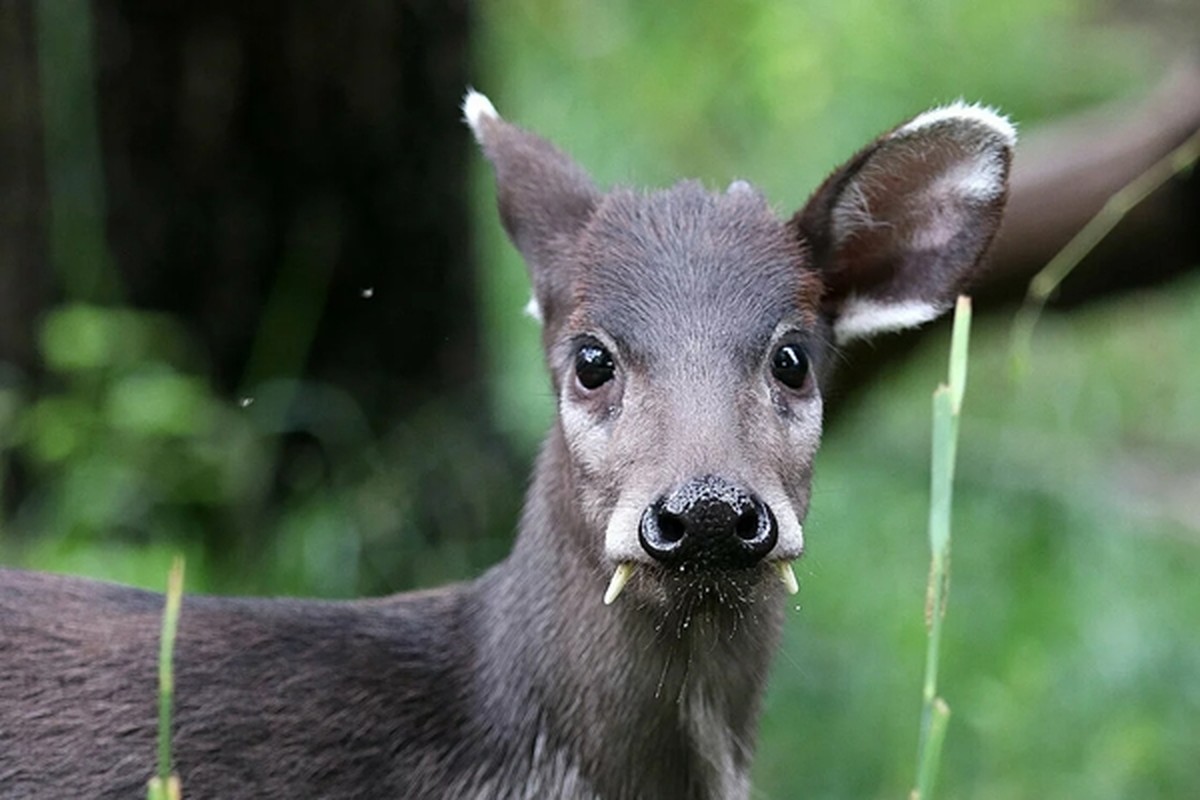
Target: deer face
x,y
686,393
687,332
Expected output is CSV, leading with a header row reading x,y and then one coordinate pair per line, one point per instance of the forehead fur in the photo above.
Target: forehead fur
x,y
724,261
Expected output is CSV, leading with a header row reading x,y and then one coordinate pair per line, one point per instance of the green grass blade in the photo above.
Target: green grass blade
x,y
941,483
947,405
960,341
165,786
932,755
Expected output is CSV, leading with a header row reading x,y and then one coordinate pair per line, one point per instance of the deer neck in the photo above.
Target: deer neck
x,y
635,694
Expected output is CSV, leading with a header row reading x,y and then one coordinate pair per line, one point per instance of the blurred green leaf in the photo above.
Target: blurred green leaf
x,y
54,428
158,402
86,337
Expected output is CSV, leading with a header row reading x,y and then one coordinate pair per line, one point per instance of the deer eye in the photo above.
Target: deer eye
x,y
593,365
789,365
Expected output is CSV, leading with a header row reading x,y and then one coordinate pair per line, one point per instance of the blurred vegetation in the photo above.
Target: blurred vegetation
x,y
1070,656
133,458
306,402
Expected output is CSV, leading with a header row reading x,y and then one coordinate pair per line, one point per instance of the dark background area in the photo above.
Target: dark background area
x,y
285,186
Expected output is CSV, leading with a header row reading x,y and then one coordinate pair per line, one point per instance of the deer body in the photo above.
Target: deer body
x,y
506,687
687,334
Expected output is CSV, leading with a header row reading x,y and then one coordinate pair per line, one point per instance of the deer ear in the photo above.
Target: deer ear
x,y
544,197
900,229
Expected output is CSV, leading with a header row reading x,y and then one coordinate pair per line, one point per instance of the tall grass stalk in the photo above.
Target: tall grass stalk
x,y
165,786
947,405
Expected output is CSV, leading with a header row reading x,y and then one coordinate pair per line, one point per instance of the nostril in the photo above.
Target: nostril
x,y
662,534
746,527
671,527
765,533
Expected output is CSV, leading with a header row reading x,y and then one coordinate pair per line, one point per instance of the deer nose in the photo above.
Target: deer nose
x,y
708,522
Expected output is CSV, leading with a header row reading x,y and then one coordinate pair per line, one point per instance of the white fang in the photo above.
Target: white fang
x,y
788,576
617,584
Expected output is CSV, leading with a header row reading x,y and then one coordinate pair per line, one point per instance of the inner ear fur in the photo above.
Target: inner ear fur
x,y
901,228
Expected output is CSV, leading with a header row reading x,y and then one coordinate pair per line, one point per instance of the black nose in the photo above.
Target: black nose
x,y
708,522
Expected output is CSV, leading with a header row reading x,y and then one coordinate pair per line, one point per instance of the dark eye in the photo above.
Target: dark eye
x,y
789,365
593,365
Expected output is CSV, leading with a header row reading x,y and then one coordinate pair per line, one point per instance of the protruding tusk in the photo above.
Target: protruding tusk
x,y
619,579
788,576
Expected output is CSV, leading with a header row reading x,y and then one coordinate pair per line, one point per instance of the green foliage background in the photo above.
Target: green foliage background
x,y
1071,656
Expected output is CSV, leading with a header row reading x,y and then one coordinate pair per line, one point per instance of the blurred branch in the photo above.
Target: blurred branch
x,y
1044,285
1066,171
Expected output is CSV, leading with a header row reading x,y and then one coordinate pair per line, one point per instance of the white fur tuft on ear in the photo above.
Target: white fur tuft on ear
x,y
862,317
533,310
966,112
476,107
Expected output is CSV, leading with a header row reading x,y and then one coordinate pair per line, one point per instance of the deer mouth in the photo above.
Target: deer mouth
x,y
782,569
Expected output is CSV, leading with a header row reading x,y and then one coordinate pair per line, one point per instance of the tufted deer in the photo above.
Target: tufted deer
x,y
622,649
